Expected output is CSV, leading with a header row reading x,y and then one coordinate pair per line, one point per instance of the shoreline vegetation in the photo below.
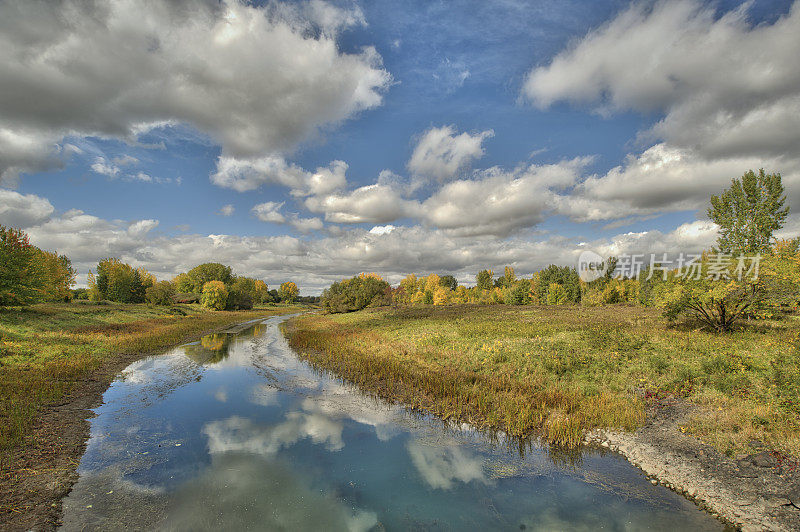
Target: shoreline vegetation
x,y
560,372
56,360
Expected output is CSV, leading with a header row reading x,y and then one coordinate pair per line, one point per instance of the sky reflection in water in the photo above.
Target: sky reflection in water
x,y
234,432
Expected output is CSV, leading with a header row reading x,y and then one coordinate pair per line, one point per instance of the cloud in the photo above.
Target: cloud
x,y
103,167
729,92
255,80
244,175
237,434
269,212
497,202
227,210
125,160
22,150
305,225
377,203
21,211
440,466
315,263
441,154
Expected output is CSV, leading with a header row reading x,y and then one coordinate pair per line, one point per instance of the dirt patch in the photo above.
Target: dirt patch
x,y
36,476
758,491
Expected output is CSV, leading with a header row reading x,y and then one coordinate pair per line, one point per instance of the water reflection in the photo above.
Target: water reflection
x,y
235,432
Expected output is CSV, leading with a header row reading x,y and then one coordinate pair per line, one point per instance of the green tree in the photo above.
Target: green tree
x,y
563,275
556,295
22,279
210,271
355,294
161,293
749,212
519,294
448,281
484,279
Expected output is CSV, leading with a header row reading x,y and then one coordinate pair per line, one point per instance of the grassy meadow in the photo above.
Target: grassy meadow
x,y
45,349
558,371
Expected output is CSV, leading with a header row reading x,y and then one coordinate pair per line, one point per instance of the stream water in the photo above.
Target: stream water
x,y
234,432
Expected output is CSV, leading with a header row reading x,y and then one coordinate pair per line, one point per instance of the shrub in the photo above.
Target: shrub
x,y
215,295
717,301
187,297
161,293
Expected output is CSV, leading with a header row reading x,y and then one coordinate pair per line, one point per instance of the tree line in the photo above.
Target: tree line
x,y
31,275
717,294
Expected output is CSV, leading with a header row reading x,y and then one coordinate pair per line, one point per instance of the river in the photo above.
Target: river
x,y
234,432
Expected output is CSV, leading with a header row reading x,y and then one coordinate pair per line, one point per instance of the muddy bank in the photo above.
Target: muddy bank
x,y
758,491
36,476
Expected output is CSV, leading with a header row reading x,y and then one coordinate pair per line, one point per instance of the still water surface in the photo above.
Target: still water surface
x,y
234,432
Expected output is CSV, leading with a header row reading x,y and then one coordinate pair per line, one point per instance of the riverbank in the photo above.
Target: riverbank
x,y
56,360
606,374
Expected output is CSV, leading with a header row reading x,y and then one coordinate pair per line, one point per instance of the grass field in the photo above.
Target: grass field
x,y
559,371
45,349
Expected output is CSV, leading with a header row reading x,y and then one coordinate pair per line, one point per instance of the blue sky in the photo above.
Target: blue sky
x,y
474,134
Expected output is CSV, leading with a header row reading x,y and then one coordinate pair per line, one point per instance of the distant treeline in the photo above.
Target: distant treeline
x,y
31,275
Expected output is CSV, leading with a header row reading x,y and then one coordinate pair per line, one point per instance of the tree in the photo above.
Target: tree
x,y
440,296
242,294
448,281
349,295
120,282
563,275
288,291
210,271
749,212
22,278
261,292
215,295
161,293
484,279
183,283
556,295
519,293
59,276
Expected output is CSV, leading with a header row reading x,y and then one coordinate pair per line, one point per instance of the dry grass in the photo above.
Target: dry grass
x,y
559,371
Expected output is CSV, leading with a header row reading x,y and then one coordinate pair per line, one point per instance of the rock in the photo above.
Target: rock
x,y
763,459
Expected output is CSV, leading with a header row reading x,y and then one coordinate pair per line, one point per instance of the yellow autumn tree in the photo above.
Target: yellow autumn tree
x,y
215,295
440,296
288,291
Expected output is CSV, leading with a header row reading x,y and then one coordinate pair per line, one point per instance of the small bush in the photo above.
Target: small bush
x,y
187,297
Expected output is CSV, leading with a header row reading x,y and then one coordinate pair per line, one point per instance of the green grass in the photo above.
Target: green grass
x,y
560,371
46,349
